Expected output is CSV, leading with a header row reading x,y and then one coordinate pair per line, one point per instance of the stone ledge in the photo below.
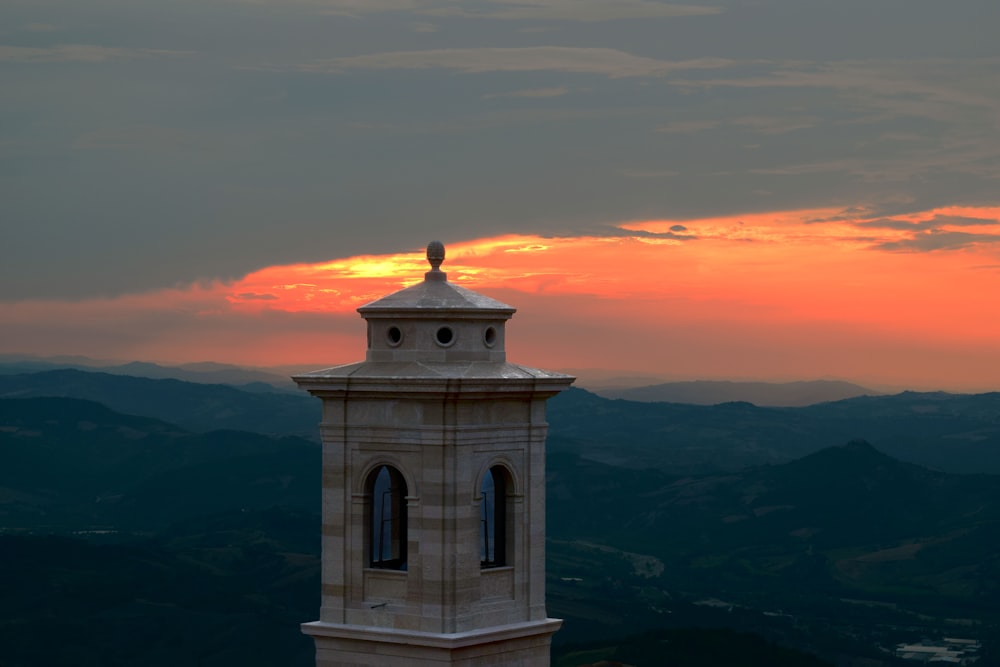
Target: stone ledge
x,y
449,641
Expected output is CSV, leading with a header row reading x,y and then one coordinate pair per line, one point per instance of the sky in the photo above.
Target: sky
x,y
762,189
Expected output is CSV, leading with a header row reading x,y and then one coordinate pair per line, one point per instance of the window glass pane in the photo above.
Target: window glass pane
x,y
382,516
387,532
487,516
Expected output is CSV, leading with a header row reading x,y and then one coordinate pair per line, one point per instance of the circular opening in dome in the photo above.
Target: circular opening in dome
x,y
394,336
445,336
490,336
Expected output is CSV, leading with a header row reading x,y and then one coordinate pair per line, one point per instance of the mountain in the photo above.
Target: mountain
x,y
232,593
149,544
203,372
206,373
844,496
68,464
214,536
950,432
847,542
193,406
705,392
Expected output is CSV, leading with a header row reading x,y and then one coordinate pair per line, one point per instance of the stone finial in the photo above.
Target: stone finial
x,y
435,255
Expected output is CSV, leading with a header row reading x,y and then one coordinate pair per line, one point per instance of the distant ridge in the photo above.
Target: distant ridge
x,y
714,392
192,405
950,432
208,372
72,464
845,521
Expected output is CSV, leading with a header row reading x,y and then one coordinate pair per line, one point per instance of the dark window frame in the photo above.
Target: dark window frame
x,y
494,496
386,530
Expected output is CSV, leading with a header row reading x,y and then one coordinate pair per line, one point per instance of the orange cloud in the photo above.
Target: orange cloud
x,y
758,279
794,294
786,266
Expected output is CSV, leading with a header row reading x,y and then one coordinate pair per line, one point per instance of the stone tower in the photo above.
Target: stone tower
x,y
433,488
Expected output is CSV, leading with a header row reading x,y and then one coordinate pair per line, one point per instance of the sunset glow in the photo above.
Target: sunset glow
x,y
768,292
790,266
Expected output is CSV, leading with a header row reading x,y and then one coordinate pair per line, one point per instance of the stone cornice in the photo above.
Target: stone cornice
x,y
449,641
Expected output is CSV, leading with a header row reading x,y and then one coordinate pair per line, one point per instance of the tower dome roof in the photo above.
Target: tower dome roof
x,y
431,333
435,293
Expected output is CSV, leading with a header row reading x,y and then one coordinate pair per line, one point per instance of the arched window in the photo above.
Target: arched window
x,y
386,491
493,518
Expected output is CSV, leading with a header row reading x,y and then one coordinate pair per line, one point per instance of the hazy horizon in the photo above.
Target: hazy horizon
x,y
602,378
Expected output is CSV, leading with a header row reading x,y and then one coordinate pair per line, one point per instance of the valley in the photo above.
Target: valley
x,y
740,520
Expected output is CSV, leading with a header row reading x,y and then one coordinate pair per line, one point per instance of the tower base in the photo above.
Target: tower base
x,y
517,645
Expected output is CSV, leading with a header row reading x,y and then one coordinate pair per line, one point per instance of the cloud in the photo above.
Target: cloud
x,y
531,92
931,87
575,10
933,223
39,27
423,27
924,230
145,138
944,229
588,11
962,221
935,239
84,53
688,126
649,173
716,290
952,101
253,296
800,279
900,123
580,60
776,124
980,161
889,223
312,168
355,8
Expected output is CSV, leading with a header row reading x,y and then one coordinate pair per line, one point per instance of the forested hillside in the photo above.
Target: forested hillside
x,y
150,543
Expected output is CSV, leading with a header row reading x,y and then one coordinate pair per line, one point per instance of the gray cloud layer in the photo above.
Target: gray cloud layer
x,y
511,10
607,62
146,144
84,53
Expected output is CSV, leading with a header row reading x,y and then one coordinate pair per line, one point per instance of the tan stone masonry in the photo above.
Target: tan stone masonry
x,y
436,407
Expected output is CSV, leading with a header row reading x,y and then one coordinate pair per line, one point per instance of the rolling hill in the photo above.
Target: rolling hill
x,y
69,465
836,551
951,432
191,405
713,392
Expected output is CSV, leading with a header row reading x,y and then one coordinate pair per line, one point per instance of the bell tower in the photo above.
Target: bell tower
x,y
433,530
